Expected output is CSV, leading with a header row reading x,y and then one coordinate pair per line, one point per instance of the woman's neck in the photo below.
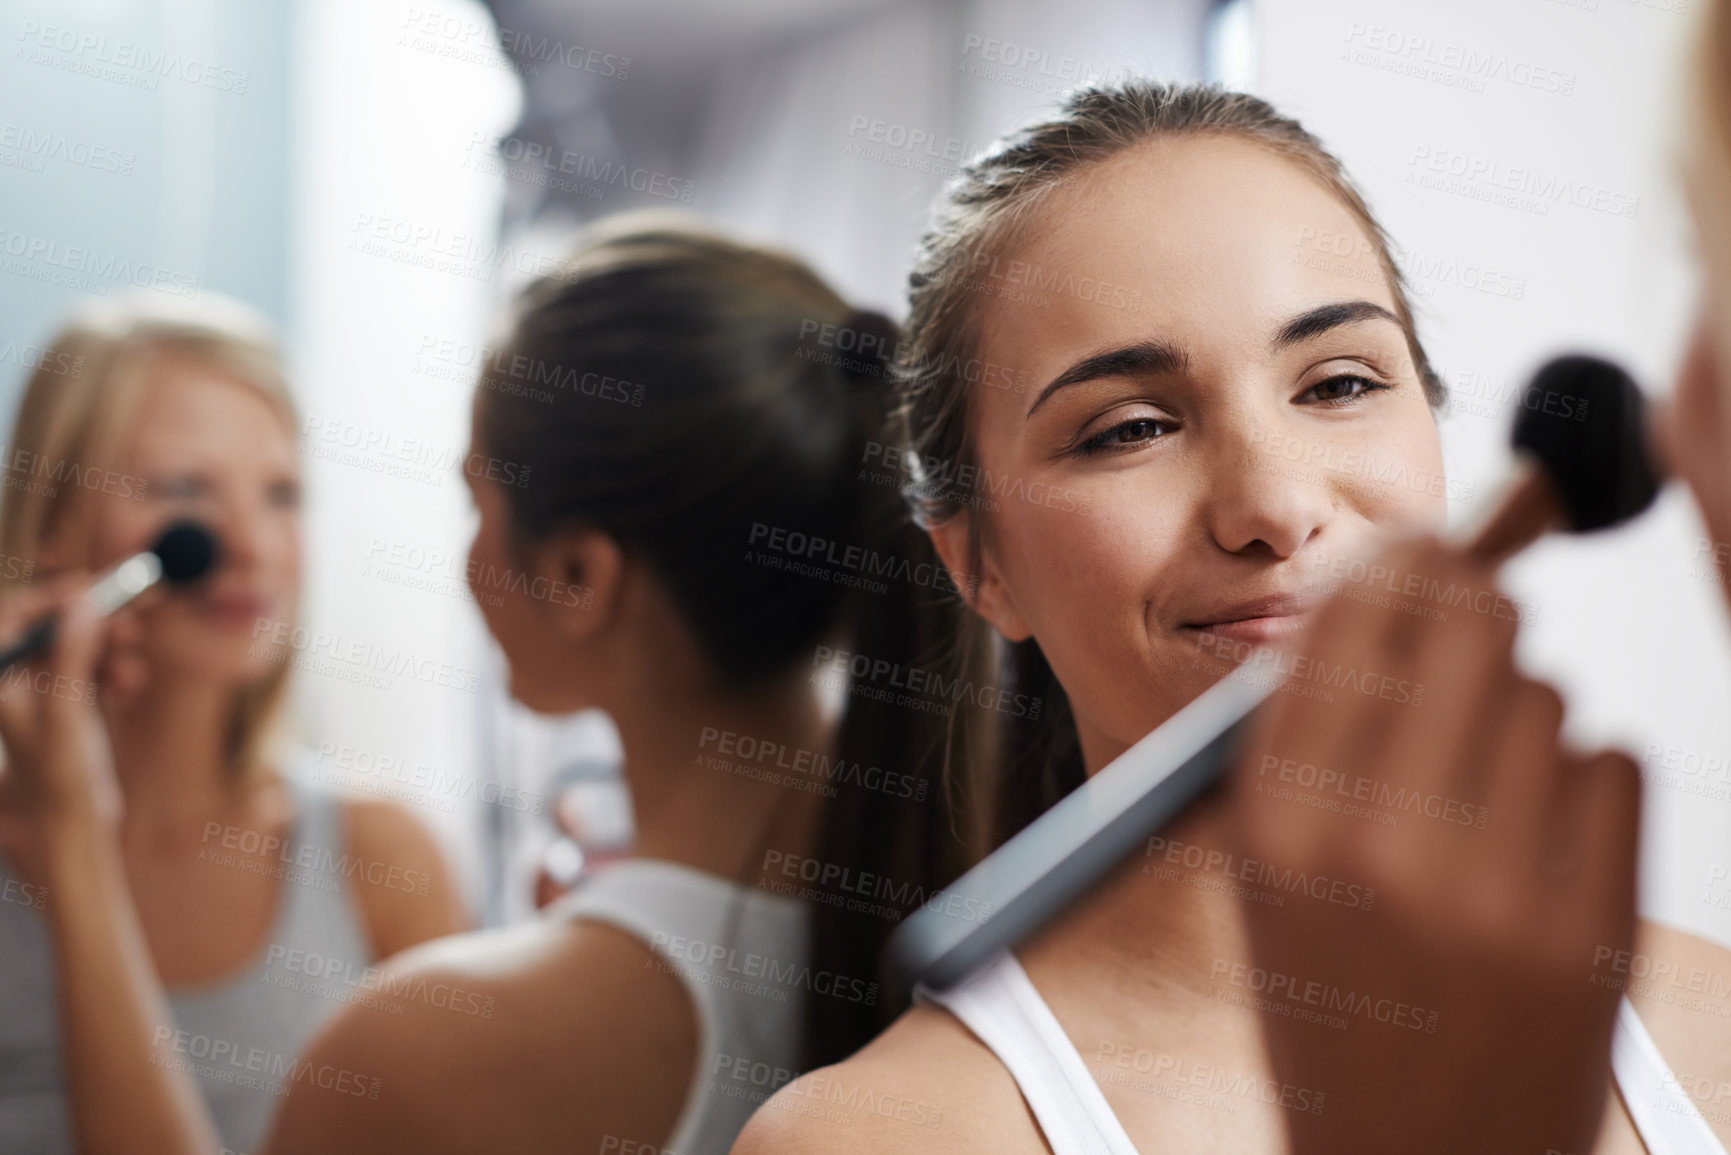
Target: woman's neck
x,y
1163,929
718,781
169,758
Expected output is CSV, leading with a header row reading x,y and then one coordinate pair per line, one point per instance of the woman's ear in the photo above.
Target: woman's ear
x,y
987,592
577,575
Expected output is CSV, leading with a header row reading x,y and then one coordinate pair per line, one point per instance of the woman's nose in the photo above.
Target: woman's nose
x,y
1261,499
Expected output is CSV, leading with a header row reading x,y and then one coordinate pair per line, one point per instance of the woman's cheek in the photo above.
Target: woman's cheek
x,y
1401,486
1693,433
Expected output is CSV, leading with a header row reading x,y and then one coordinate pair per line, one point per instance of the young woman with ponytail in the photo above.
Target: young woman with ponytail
x,y
1224,377
701,421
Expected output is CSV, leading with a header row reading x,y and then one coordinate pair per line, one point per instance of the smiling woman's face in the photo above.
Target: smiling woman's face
x,y
1203,457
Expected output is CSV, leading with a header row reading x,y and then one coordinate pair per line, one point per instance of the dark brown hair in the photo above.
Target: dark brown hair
x,y
1007,769
744,392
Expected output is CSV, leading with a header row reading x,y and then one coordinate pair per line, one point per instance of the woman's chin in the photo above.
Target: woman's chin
x,y
225,662
537,698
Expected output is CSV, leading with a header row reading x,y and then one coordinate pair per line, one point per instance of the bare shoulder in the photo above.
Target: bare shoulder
x,y
549,1036
1680,983
925,1085
402,881
1674,967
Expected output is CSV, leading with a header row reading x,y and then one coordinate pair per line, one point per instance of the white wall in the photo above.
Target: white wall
x,y
147,137
383,129
1547,94
839,147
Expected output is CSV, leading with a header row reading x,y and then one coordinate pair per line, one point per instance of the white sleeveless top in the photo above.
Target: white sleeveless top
x,y
1000,1006
741,954
240,1037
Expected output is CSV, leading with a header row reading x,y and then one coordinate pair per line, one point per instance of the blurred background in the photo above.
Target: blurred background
x,y
379,177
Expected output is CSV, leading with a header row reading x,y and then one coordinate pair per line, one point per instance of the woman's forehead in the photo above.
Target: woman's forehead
x,y
1211,243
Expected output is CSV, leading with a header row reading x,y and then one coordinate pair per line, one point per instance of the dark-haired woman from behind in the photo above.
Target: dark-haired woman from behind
x,y
697,427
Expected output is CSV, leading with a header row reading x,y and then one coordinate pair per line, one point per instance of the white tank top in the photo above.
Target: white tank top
x,y
999,1004
741,954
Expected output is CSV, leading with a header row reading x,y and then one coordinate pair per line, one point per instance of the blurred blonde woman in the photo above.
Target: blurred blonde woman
x,y
223,870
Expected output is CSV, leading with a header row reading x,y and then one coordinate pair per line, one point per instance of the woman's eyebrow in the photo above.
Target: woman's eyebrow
x,y
1321,319
1145,358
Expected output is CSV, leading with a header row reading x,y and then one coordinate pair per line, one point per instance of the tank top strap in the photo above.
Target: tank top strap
x,y
320,899
741,955
1663,1113
319,819
1000,1005
659,902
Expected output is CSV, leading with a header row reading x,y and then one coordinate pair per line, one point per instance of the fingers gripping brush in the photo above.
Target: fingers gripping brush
x,y
182,554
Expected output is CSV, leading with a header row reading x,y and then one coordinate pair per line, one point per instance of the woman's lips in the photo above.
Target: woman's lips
x,y
1268,630
1264,621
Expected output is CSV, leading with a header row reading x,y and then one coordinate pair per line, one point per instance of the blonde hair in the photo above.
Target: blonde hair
x,y
76,408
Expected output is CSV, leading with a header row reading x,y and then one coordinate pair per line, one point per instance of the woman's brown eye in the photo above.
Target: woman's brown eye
x,y
1126,434
1346,387
1134,430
